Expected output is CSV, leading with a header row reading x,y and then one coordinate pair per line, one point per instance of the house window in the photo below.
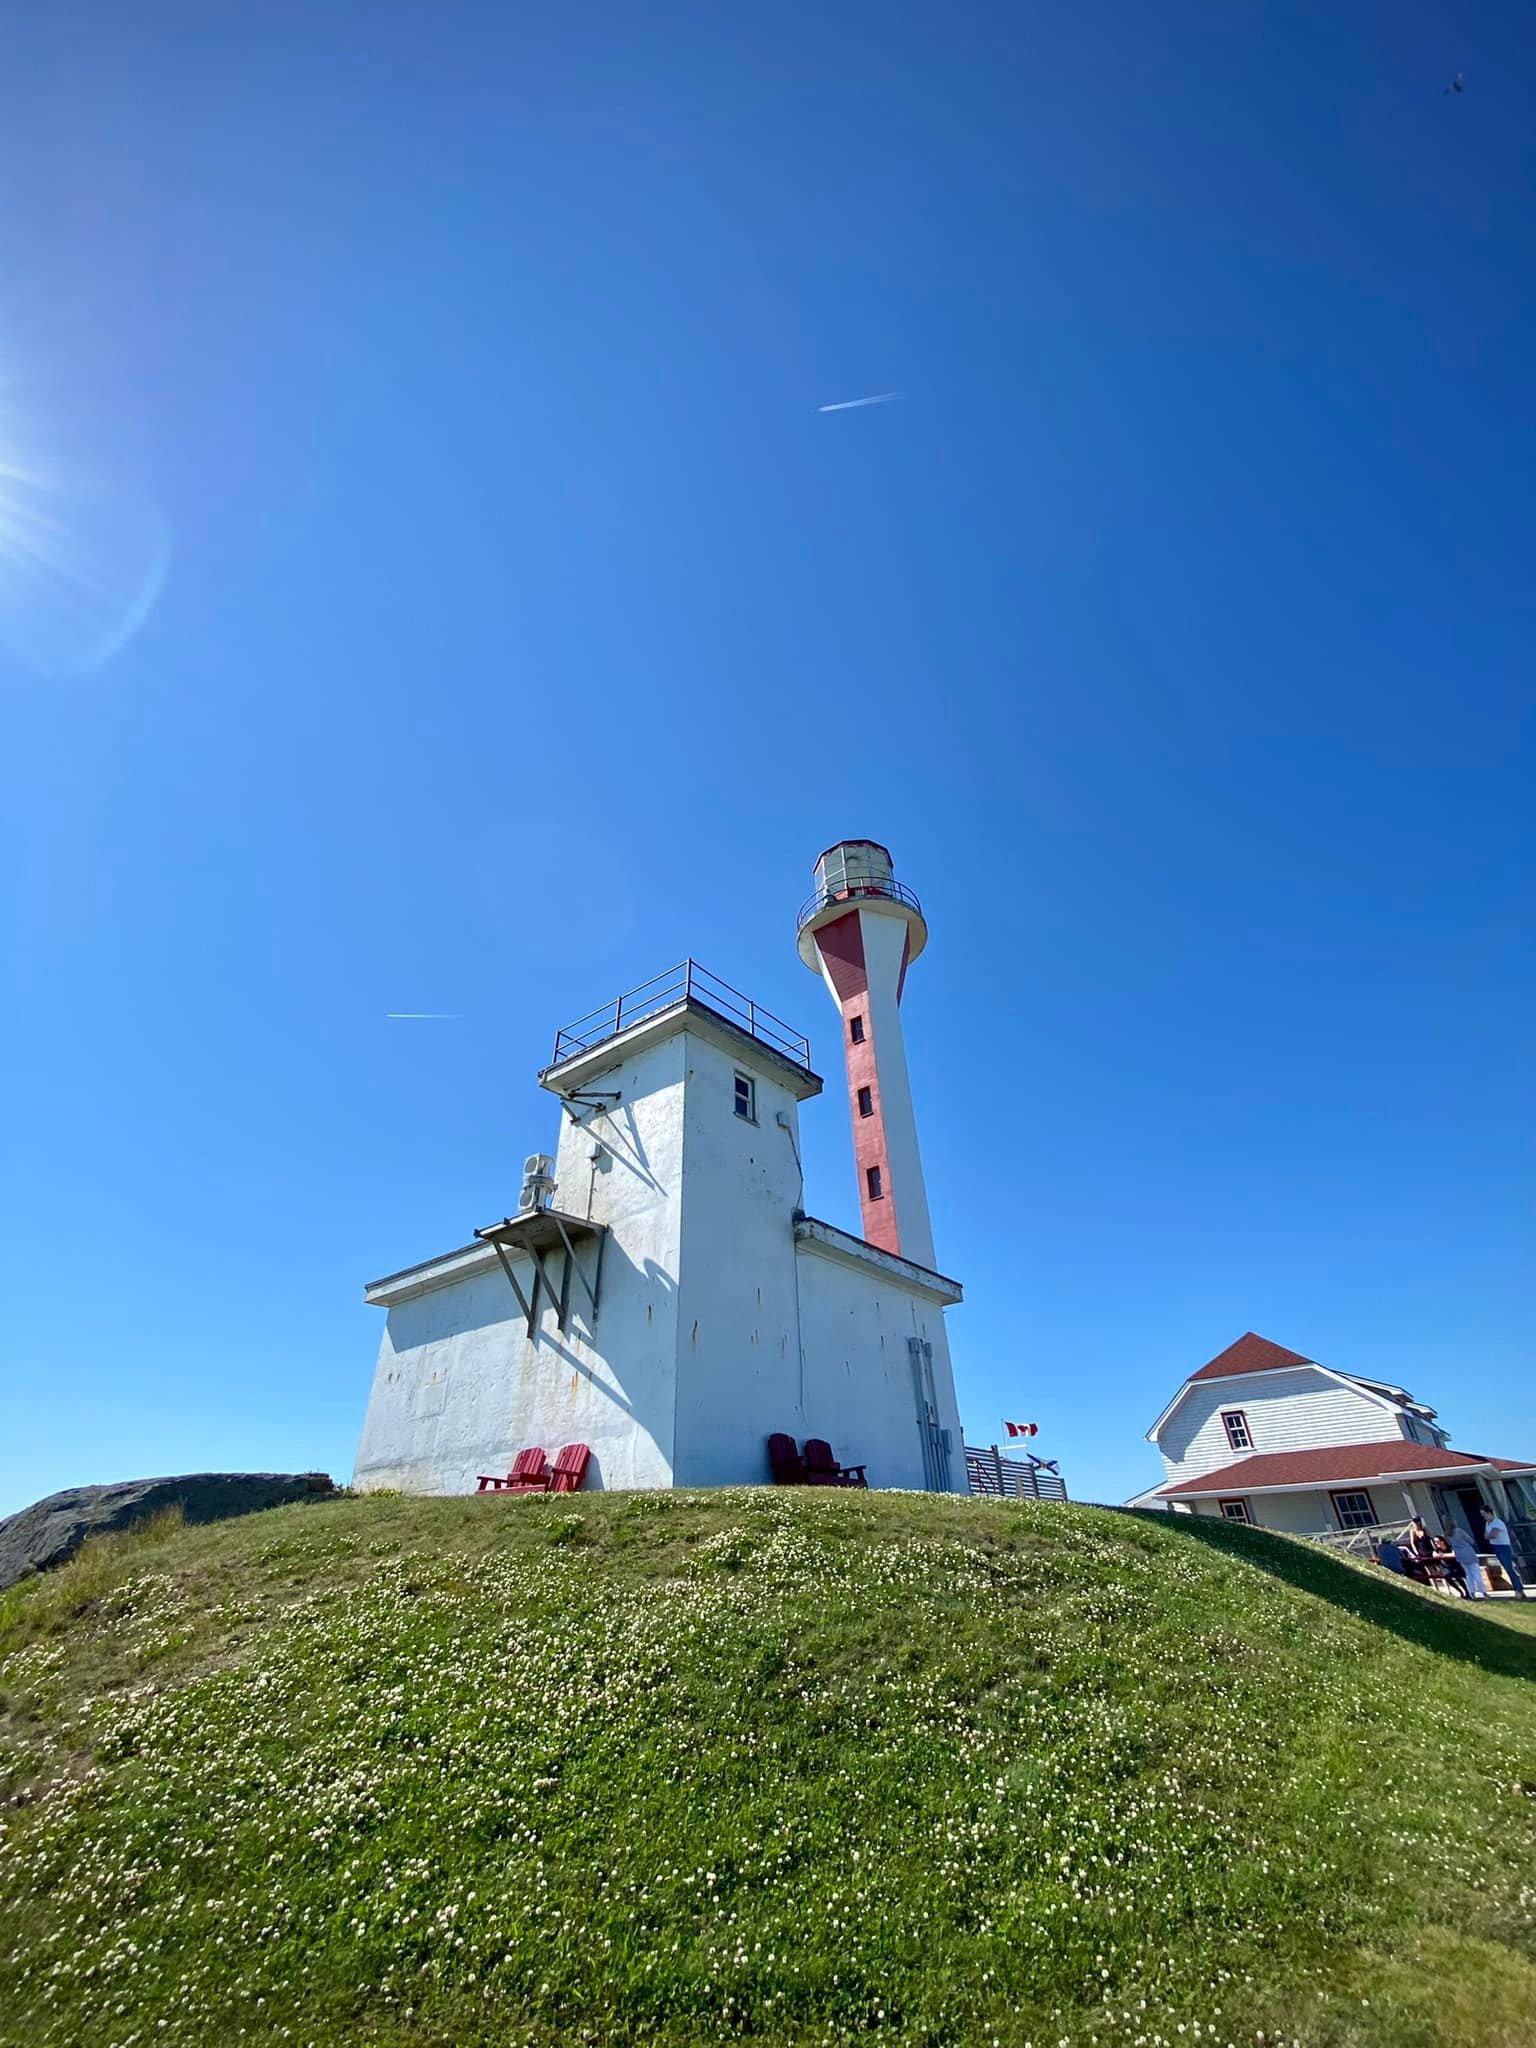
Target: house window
x,y
1235,1511
746,1097
856,1030
866,1102
1237,1429
1354,1510
874,1182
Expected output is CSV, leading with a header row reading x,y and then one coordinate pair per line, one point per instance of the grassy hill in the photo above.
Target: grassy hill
x,y
801,1766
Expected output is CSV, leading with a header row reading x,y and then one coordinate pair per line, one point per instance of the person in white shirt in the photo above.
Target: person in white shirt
x,y
1496,1529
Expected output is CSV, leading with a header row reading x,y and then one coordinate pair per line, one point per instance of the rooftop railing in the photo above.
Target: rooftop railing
x,y
686,983
853,890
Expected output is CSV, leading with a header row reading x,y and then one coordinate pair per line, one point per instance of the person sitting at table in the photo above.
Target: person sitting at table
x,y
1418,1550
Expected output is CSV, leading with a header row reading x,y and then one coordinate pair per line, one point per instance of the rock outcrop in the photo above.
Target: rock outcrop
x,y
51,1531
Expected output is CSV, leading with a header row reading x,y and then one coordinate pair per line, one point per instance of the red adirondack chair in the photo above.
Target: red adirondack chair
x,y
529,1474
822,1469
785,1461
570,1468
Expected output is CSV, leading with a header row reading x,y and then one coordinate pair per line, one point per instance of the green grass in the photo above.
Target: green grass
x,y
802,1767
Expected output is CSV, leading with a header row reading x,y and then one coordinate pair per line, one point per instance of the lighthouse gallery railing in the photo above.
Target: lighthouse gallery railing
x,y
687,982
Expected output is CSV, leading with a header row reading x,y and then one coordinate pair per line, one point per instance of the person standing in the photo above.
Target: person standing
x,y
1471,1565
1503,1549
1450,1571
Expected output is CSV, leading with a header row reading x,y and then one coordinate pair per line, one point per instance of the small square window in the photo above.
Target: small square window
x,y
866,1102
1354,1510
1235,1511
1238,1435
856,1030
875,1183
746,1097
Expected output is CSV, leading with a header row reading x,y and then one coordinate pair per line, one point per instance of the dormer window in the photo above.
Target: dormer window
x,y
1236,1425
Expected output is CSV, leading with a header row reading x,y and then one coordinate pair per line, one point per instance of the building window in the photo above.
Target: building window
x,y
746,1097
1237,1429
866,1102
856,1030
1354,1510
874,1182
1235,1511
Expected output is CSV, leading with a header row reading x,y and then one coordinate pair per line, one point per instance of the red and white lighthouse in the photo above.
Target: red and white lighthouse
x,y
860,932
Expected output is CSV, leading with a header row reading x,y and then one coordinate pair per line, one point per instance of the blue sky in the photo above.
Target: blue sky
x,y
460,604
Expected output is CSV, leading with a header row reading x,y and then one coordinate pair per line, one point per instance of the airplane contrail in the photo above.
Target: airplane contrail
x,y
852,404
419,1016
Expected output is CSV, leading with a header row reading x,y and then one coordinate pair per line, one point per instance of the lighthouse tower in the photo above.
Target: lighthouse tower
x,y
860,931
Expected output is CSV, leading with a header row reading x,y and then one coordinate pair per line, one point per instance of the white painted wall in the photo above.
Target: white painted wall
x,y
460,1389
738,1363
1298,1514
713,1330
858,1371
1287,1411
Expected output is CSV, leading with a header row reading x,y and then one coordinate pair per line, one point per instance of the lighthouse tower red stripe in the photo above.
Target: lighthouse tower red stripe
x,y
841,945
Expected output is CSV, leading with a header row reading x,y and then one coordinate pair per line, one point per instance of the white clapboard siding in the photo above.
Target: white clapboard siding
x,y
1286,1411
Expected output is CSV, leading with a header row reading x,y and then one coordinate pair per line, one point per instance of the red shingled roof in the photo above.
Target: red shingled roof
x,y
1338,1464
1250,1354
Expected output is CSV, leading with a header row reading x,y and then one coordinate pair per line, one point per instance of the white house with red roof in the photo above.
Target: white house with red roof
x,y
1262,1434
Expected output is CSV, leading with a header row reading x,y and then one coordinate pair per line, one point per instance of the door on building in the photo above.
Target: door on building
x,y
1474,1510
932,1436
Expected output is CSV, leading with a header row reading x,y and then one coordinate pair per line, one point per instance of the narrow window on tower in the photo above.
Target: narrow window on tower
x,y
746,1097
866,1102
874,1183
856,1030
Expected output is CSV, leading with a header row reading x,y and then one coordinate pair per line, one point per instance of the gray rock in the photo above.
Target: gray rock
x,y
51,1531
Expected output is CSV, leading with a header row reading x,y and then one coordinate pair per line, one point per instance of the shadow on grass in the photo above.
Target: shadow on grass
x,y
1429,1620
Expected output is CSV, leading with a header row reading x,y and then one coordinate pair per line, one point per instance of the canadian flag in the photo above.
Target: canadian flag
x,y
1022,1428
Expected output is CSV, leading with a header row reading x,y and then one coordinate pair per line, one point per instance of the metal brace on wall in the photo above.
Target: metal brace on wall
x,y
559,1296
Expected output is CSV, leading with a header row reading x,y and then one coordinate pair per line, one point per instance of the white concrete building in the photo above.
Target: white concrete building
x,y
1262,1434
661,1294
